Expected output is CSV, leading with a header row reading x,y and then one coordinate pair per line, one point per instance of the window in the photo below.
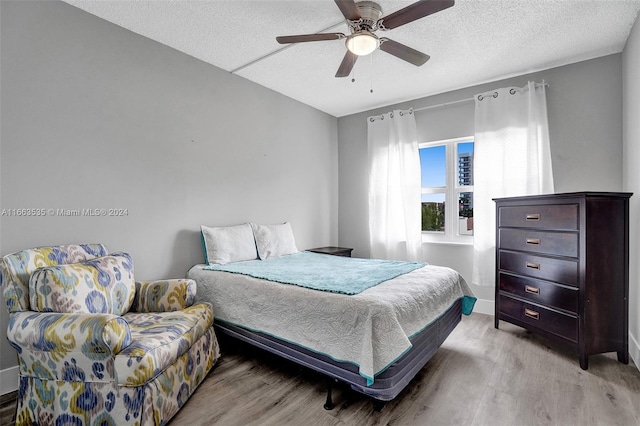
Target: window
x,y
447,190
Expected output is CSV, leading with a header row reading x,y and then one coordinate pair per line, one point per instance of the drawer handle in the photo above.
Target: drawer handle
x,y
533,241
533,216
533,265
532,314
532,290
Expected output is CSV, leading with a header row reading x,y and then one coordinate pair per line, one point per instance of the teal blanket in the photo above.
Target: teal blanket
x,y
323,272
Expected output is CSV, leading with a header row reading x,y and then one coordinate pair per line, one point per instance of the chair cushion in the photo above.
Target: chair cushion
x,y
158,339
16,268
102,285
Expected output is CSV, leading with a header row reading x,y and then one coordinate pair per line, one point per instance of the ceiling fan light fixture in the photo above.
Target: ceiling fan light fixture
x,y
362,43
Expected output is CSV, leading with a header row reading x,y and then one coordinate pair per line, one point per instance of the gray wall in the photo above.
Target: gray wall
x,y
584,103
631,172
95,116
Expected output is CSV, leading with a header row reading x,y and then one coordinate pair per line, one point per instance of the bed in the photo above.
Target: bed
x,y
375,339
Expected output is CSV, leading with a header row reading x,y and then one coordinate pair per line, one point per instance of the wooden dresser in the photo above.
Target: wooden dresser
x,y
562,269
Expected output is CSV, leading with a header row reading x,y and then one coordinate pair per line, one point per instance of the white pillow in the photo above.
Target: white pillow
x,y
274,240
228,244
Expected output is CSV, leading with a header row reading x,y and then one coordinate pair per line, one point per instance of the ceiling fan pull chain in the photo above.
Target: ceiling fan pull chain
x,y
371,87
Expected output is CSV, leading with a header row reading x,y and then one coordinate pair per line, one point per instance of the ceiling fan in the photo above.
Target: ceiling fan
x,y
364,19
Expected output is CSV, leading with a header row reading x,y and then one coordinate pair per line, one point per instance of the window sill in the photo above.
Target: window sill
x,y
448,243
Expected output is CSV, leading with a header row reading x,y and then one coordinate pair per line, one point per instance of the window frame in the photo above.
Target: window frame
x,y
451,191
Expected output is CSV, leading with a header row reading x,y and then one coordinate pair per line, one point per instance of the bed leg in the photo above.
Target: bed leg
x,y
378,405
328,405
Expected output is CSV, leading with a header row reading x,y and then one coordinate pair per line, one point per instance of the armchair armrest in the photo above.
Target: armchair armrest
x,y
68,347
164,295
96,336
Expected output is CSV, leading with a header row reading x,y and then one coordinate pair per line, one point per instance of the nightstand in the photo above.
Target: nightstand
x,y
334,251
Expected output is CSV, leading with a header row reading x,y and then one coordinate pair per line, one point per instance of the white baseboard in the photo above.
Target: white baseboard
x,y
8,380
484,306
634,350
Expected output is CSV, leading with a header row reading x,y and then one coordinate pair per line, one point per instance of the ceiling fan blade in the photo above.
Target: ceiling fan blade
x,y
309,37
403,52
349,9
414,11
347,64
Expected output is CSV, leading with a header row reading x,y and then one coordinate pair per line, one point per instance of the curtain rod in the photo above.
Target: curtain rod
x,y
446,104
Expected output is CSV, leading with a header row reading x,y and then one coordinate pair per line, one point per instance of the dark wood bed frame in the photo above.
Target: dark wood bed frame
x,y
387,385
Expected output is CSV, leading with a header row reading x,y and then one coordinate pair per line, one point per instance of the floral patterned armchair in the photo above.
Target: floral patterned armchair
x,y
96,347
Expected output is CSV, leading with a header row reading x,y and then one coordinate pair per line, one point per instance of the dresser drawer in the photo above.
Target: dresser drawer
x,y
552,216
546,268
556,243
541,292
562,325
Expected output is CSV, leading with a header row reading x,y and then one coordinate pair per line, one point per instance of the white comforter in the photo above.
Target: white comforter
x,y
370,329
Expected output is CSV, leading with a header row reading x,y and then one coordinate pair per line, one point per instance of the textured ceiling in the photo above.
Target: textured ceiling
x,y
473,42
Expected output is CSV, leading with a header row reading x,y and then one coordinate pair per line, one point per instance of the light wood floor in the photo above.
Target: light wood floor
x,y
7,408
480,376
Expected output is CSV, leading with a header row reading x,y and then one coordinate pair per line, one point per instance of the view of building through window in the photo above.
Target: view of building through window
x,y
465,179
447,174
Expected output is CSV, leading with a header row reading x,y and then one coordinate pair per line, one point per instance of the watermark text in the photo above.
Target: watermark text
x,y
61,212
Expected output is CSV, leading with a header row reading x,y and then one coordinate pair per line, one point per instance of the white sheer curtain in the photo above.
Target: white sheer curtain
x,y
512,158
394,187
